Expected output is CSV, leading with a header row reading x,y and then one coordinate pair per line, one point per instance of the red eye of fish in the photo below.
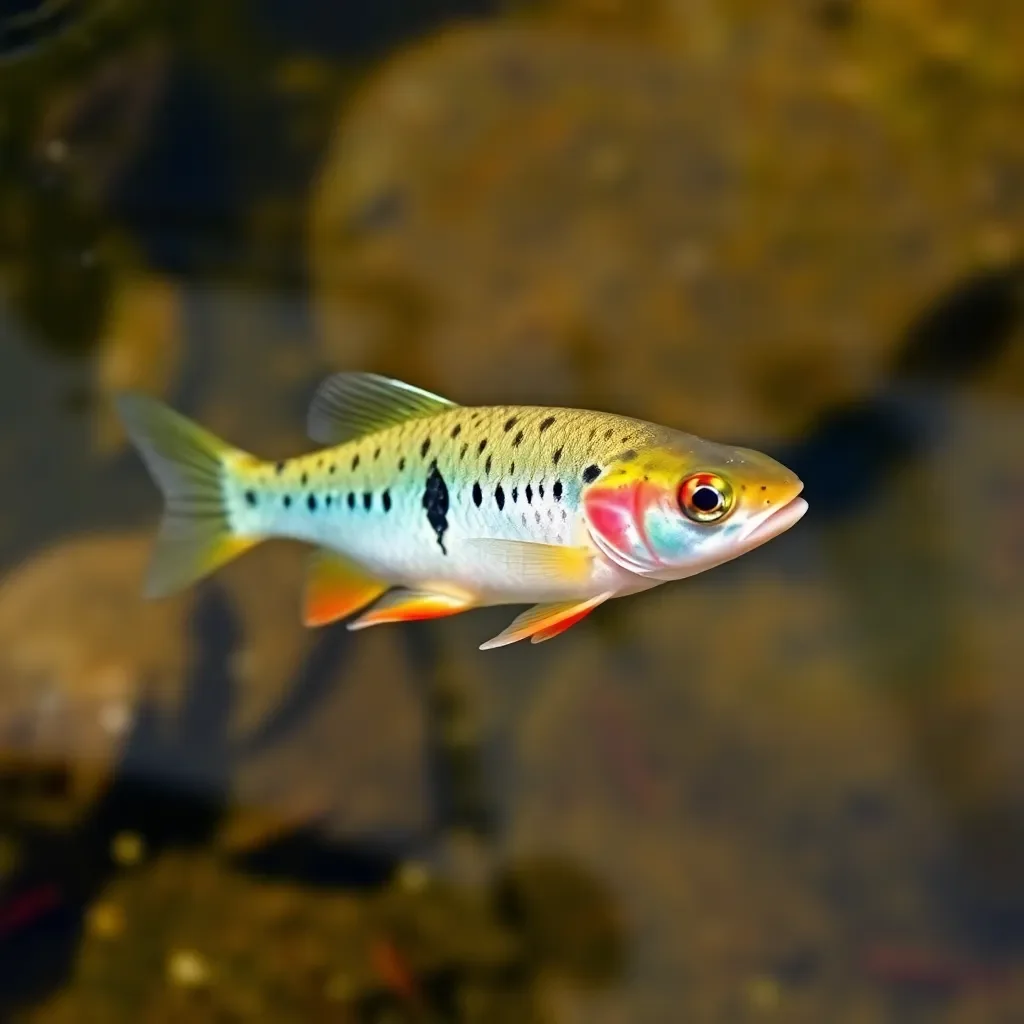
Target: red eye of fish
x,y
705,497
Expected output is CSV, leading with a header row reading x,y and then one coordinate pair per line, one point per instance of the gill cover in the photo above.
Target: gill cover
x,y
613,506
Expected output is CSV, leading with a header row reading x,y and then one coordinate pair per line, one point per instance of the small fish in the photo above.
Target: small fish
x,y
421,508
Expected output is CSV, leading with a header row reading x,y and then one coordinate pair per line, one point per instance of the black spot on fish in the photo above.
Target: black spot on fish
x,y
764,487
376,454
319,463
510,423
515,495
564,514
279,468
311,503
401,464
481,446
499,497
512,469
625,438
556,456
524,518
456,430
478,495
304,479
487,466
557,490
608,434
591,473
462,454
351,499
385,500
287,500
517,439
546,422
355,462
628,455
367,500
424,448
540,489
593,431
332,469
250,499
536,517
327,501
529,495
435,502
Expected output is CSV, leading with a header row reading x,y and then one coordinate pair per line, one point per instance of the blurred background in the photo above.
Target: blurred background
x,y
791,789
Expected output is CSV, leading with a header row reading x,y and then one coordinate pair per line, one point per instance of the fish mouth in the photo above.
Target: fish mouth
x,y
777,521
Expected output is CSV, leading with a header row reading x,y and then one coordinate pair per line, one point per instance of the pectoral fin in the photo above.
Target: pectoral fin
x,y
544,621
403,605
336,587
531,562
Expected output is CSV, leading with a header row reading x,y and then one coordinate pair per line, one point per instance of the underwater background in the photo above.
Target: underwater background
x,y
790,789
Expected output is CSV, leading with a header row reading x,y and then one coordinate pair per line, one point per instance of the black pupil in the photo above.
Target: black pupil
x,y
706,499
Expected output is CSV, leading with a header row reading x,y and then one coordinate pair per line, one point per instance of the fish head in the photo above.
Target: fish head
x,y
683,505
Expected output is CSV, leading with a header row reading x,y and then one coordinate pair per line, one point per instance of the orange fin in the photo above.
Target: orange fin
x,y
403,605
336,587
543,621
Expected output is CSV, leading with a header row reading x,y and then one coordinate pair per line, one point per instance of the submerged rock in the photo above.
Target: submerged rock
x,y
529,214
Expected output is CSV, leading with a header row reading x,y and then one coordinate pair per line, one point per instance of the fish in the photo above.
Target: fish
x,y
417,507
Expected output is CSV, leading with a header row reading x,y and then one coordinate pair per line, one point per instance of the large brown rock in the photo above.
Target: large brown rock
x,y
724,234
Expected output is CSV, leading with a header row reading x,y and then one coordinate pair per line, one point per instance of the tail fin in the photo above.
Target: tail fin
x,y
188,464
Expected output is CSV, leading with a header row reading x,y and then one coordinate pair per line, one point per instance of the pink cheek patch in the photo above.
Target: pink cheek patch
x,y
612,515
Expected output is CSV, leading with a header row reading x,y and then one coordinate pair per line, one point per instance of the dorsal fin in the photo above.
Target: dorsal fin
x,y
349,405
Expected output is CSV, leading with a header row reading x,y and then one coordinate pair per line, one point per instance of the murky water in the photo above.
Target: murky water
x,y
789,789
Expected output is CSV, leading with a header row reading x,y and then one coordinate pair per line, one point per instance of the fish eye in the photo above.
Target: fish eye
x,y
705,497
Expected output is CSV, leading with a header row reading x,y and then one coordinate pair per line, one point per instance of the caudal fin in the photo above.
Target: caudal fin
x,y
188,464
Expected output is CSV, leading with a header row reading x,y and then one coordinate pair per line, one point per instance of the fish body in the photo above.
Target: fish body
x,y
429,508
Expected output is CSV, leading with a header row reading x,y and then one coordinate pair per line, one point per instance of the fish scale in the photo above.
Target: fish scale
x,y
470,448
430,508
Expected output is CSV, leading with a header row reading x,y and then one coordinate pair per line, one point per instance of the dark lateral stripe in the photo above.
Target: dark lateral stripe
x,y
435,503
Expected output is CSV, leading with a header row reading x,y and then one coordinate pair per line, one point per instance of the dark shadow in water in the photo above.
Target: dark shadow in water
x,y
169,787
313,684
968,328
851,451
306,857
453,769
363,31
181,193
27,25
564,920
865,455
76,864
457,780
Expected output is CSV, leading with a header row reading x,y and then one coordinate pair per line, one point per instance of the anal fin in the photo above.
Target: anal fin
x,y
403,605
544,621
336,587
